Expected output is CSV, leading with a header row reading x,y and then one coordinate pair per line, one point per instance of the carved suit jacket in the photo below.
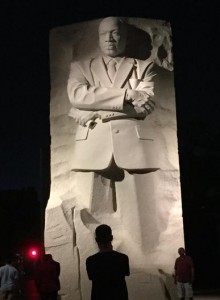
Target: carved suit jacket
x,y
119,133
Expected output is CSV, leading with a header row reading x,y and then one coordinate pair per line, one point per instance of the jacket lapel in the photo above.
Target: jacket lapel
x,y
142,66
99,71
122,74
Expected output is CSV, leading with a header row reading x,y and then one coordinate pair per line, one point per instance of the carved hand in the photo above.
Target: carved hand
x,y
140,100
149,106
137,98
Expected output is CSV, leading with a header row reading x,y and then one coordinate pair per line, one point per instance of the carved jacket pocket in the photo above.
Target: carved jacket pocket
x,y
144,133
81,133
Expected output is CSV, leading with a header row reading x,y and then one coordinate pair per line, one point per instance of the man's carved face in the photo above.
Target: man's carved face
x,y
112,37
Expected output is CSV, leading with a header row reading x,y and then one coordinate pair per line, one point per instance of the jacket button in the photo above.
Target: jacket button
x,y
116,130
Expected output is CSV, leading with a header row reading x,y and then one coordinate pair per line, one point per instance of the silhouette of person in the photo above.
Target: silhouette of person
x,y
8,281
184,275
47,278
107,268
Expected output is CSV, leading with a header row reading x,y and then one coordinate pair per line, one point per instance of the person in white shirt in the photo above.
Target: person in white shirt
x,y
8,281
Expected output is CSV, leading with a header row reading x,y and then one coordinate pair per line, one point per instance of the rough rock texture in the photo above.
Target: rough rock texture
x,y
147,218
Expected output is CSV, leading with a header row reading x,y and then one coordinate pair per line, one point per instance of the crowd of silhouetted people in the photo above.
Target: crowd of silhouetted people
x,y
46,277
106,269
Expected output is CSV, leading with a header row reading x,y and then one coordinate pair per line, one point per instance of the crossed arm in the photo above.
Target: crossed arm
x,y
89,102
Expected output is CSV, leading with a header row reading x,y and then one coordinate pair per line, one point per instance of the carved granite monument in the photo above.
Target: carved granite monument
x,y
114,154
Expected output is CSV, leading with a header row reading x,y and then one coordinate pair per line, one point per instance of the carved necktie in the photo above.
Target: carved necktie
x,y
111,69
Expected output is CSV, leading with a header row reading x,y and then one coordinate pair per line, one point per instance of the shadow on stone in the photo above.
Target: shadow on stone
x,y
139,43
167,281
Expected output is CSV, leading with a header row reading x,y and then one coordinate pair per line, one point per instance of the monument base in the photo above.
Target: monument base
x,y
70,242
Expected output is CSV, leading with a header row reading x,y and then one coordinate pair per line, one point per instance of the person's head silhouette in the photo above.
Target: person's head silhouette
x,y
103,236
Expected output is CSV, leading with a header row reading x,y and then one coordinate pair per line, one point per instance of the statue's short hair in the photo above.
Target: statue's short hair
x,y
103,234
122,21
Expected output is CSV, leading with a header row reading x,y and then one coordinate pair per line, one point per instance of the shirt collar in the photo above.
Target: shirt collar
x,y
108,58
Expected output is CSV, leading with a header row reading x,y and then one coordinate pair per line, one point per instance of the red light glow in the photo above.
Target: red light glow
x,y
33,253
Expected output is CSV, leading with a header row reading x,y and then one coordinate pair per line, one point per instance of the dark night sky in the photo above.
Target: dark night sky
x,y
25,95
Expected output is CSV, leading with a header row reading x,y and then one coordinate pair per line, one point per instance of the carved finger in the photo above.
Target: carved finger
x,y
151,103
148,107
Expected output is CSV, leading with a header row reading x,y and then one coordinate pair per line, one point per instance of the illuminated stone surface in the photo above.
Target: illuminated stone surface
x,y
146,215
